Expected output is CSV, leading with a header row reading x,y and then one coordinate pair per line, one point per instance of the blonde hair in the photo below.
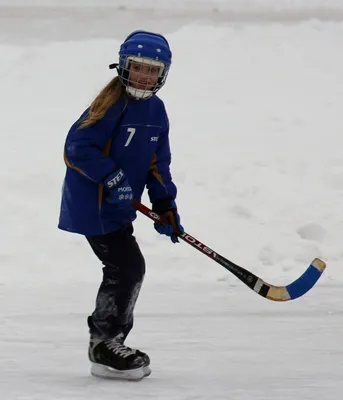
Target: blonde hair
x,y
103,101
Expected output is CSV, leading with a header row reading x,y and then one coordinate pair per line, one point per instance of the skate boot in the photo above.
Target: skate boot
x,y
146,360
145,357
112,359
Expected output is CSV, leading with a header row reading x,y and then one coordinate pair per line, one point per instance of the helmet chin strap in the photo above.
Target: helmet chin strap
x,y
139,93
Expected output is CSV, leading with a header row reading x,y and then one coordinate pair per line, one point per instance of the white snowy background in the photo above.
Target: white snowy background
x,y
255,99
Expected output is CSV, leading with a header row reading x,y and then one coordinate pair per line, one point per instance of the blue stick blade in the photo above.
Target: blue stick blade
x,y
309,278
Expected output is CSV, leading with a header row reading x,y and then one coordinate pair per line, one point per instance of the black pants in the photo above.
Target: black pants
x,y
123,273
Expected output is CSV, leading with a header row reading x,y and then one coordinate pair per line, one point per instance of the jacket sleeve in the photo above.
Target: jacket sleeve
x,y
159,183
85,149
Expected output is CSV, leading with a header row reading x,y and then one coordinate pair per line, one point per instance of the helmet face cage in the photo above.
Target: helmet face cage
x,y
142,76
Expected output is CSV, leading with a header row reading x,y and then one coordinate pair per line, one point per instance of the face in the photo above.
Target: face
x,y
143,76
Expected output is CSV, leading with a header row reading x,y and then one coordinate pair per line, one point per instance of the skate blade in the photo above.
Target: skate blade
x,y
105,372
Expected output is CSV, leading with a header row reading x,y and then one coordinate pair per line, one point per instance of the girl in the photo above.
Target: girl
x,y
118,146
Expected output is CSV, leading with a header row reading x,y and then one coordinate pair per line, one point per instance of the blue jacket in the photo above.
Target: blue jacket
x,y
133,135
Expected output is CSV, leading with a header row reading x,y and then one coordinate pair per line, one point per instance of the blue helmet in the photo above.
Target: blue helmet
x,y
146,48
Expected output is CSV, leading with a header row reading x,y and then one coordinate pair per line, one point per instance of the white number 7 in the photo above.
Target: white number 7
x,y
132,131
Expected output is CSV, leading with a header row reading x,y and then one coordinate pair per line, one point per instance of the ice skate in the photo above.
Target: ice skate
x,y
113,360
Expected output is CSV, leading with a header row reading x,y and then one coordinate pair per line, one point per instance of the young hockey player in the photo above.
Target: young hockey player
x,y
115,149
